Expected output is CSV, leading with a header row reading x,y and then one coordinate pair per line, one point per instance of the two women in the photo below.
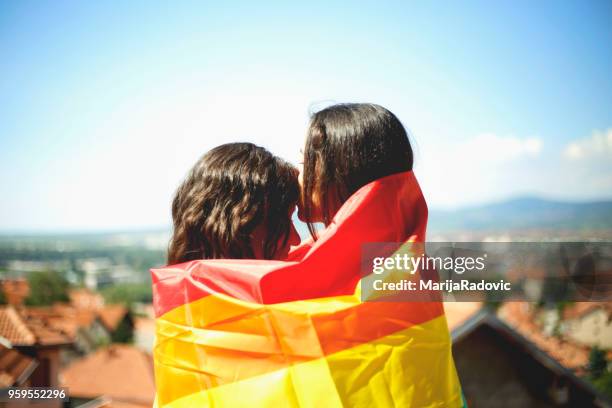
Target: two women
x,y
244,320
238,199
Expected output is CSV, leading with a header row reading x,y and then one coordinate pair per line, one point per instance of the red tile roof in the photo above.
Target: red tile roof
x,y
82,317
14,329
51,318
35,326
520,316
54,325
15,368
49,326
121,372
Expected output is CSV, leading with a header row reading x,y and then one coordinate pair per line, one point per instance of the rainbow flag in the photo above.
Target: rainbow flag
x,y
296,333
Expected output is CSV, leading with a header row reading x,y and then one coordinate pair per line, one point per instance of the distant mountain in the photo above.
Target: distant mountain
x,y
525,213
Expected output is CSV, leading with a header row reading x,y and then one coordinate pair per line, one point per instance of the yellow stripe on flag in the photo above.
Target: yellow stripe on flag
x,y
408,368
218,340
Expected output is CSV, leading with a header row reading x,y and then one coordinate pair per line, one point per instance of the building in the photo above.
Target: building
x,y
37,339
523,317
85,299
144,333
512,363
588,323
114,376
39,342
499,367
103,272
15,371
15,368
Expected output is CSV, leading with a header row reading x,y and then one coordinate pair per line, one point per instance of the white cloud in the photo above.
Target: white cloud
x,y
599,145
476,169
498,149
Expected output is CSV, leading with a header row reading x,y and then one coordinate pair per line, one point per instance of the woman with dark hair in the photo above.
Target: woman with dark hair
x,y
306,331
347,147
236,202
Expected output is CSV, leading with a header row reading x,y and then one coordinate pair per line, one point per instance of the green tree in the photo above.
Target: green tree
x,y
597,363
2,297
124,333
46,288
128,293
604,383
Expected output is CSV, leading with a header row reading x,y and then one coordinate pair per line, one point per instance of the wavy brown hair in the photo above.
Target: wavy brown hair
x,y
229,192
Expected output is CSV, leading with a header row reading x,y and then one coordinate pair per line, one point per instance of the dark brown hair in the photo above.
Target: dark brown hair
x,y
348,146
230,191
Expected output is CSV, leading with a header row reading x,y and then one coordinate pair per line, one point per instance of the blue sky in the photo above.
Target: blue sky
x,y
104,106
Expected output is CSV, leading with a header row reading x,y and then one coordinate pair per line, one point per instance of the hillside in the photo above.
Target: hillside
x,y
525,213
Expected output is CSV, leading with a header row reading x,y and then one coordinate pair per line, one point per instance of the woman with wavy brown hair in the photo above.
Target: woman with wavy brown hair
x,y
236,202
